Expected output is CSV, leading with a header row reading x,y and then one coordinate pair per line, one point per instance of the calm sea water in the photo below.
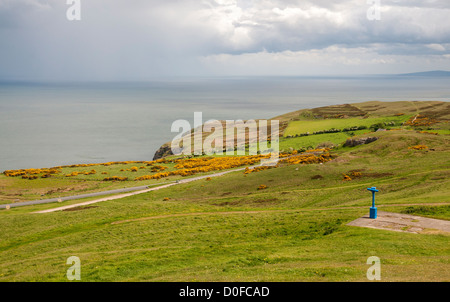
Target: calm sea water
x,y
51,124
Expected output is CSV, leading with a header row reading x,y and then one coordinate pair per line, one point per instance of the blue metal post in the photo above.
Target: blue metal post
x,y
373,199
373,209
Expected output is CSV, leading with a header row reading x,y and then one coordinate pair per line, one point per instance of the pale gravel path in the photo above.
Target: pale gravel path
x,y
135,193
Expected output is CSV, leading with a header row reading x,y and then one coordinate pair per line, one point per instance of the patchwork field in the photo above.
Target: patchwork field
x,y
311,126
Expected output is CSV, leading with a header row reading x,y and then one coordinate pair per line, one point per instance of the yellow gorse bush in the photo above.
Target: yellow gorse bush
x,y
115,178
346,177
158,168
350,175
55,170
185,166
257,169
192,166
74,173
418,147
307,159
318,150
15,173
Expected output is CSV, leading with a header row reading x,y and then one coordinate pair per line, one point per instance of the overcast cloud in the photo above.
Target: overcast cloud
x,y
139,40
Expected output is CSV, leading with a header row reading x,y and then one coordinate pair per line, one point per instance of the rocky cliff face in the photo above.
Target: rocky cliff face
x,y
163,151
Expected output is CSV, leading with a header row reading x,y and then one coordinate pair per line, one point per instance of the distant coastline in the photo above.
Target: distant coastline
x,y
434,73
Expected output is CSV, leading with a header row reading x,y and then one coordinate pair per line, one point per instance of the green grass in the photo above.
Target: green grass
x,y
312,141
227,230
253,247
16,189
304,126
440,131
429,211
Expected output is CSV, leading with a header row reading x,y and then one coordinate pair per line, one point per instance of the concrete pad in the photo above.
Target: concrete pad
x,y
403,223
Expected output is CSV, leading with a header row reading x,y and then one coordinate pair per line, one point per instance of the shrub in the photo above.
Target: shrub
x,y
308,158
355,174
115,178
74,173
376,126
418,147
158,168
346,177
257,169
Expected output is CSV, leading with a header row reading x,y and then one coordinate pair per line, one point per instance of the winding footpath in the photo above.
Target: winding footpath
x,y
139,191
73,197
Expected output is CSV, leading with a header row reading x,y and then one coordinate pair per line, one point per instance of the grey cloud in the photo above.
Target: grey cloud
x,y
139,39
309,26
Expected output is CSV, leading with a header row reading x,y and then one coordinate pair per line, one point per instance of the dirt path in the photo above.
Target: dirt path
x,y
102,199
136,192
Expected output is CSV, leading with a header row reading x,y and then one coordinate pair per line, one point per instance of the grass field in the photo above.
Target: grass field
x,y
312,141
304,126
229,229
226,229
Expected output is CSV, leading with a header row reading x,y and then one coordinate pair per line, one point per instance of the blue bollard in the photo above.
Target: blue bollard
x,y
373,209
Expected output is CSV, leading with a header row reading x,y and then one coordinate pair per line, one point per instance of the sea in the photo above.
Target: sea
x,y
59,123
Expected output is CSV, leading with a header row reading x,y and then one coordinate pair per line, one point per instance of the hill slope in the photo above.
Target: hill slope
x,y
439,111
287,223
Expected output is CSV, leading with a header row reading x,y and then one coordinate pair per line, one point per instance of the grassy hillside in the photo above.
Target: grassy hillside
x,y
435,116
228,229
304,126
338,121
433,109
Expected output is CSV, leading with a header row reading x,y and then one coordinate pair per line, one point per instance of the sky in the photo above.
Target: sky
x,y
147,39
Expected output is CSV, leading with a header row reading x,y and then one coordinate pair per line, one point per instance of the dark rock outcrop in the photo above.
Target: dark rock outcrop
x,y
163,151
352,142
